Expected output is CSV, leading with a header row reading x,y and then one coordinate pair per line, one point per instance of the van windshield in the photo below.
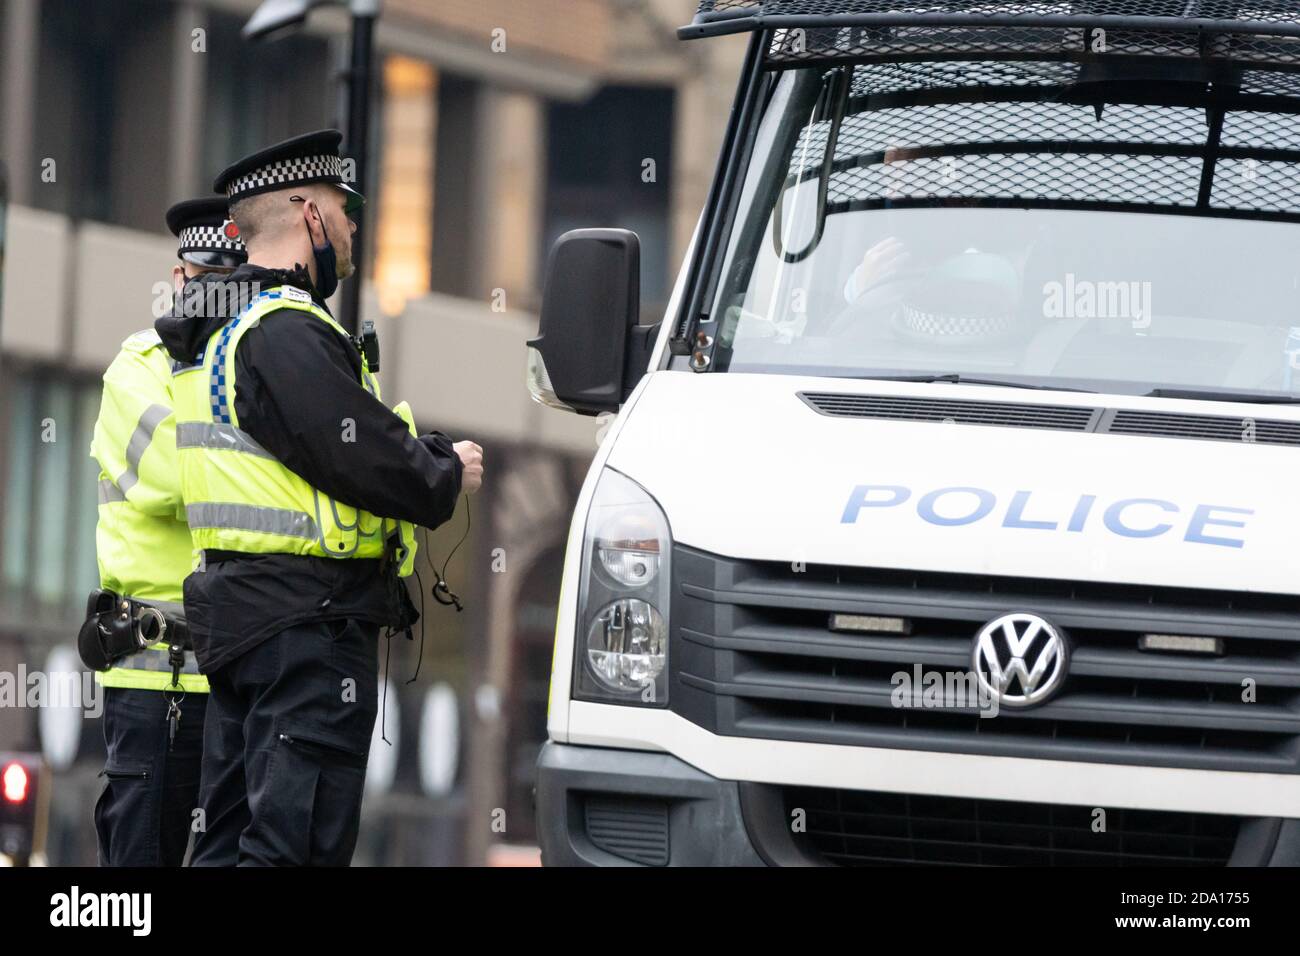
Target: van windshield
x,y
1075,238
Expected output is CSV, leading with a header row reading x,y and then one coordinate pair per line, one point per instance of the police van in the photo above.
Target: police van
x,y
950,514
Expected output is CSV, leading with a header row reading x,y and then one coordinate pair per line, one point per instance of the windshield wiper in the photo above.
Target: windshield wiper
x,y
1210,395
957,379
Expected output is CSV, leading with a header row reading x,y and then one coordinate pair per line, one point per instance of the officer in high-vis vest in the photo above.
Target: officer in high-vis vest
x,y
135,636
301,489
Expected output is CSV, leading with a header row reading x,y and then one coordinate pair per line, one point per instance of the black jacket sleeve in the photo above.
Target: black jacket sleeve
x,y
298,393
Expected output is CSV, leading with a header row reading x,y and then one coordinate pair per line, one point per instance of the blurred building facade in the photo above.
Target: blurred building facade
x,y
497,126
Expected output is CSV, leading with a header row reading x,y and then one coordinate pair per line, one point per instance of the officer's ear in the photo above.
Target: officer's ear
x,y
178,277
315,221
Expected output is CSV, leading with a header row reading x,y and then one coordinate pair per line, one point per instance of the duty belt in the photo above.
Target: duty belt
x,y
155,658
118,627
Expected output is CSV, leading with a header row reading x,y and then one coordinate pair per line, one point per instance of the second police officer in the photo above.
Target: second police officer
x,y
135,633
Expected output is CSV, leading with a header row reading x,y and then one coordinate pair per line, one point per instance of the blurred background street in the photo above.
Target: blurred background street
x,y
496,125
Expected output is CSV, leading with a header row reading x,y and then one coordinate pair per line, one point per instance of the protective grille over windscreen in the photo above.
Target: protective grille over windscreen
x,y
1228,30
1050,134
1272,11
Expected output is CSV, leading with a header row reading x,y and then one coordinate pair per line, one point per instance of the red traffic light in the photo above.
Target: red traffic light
x,y
14,782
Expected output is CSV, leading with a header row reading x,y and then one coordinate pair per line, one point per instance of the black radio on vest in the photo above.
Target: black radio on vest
x,y
368,344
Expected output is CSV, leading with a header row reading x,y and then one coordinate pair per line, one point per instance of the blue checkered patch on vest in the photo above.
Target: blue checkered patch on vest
x,y
217,390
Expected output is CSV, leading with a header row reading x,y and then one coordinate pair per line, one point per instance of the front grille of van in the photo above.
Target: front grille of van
x,y
752,655
859,828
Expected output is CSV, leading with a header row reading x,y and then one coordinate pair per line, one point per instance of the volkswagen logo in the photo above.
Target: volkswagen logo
x,y
1020,659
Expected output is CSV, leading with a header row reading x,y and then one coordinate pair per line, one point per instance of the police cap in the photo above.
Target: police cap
x,y
309,158
208,235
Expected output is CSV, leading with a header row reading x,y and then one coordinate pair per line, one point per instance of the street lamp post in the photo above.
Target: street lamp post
x,y
364,15
275,18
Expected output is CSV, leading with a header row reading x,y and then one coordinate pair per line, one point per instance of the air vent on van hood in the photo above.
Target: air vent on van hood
x,y
1113,421
1131,421
906,408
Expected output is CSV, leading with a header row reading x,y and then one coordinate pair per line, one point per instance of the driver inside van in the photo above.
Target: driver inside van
x,y
970,296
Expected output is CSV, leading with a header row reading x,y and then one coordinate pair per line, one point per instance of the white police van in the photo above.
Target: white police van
x,y
951,514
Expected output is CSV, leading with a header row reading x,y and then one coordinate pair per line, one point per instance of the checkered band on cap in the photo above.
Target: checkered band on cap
x,y
956,325
209,239
287,172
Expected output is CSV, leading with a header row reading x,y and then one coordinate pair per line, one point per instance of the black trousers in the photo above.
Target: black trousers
x,y
285,750
144,815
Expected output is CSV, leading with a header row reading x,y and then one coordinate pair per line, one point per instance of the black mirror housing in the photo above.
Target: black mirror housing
x,y
591,303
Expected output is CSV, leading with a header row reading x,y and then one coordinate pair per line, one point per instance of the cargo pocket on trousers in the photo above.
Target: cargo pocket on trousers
x,y
314,799
352,703
327,748
126,793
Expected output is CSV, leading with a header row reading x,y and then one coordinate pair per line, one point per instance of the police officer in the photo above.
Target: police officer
x,y
155,697
301,488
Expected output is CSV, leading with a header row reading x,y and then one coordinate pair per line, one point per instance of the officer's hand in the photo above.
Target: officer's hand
x,y
882,262
471,456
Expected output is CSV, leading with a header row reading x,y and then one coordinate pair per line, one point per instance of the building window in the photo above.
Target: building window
x,y
47,550
600,155
403,225
262,93
20,453
90,60
457,157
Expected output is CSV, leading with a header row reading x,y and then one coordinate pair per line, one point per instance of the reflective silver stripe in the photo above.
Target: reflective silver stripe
x,y
139,444
325,545
218,436
211,514
109,492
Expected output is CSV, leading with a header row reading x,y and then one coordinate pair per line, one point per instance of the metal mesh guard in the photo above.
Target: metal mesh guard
x,y
1264,11
998,134
1266,33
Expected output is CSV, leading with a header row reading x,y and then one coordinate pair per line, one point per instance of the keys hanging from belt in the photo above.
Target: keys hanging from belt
x,y
173,717
175,657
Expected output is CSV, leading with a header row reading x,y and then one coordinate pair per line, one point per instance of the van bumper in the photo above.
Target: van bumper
x,y
600,806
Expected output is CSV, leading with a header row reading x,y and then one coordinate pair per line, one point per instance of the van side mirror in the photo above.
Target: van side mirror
x,y
590,350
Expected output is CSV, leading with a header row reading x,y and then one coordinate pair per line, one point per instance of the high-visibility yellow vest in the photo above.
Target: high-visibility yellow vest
x,y
238,496
142,543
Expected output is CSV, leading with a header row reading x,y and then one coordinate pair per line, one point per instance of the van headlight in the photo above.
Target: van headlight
x,y
622,646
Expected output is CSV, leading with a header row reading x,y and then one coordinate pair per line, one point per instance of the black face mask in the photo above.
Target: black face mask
x,y
327,273
186,304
